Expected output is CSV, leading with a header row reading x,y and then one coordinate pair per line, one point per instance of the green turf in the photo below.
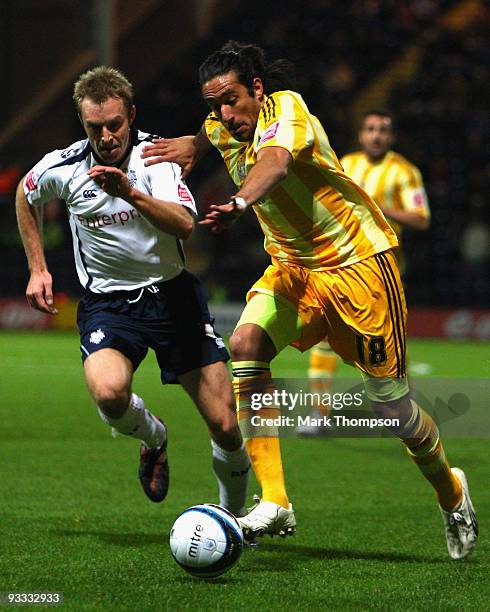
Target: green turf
x,y
73,518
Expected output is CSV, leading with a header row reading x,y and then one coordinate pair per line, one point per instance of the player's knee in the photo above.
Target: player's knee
x,y
112,399
400,409
250,342
239,346
389,396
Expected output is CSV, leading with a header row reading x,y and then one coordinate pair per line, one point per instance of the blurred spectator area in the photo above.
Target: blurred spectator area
x,y
426,60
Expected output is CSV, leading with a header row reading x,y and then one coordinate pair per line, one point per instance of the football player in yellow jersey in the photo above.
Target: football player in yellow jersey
x,y
396,186
391,180
333,274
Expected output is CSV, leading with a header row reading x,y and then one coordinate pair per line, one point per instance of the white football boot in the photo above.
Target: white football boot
x,y
461,524
267,517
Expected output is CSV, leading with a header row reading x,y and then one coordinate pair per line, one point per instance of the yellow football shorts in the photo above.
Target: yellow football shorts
x,y
360,309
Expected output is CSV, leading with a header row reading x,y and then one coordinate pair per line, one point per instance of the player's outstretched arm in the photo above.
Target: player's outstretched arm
x,y
221,216
168,217
185,151
39,292
408,219
414,212
271,168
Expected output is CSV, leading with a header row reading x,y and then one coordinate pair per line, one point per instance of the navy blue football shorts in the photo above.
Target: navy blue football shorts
x,y
172,318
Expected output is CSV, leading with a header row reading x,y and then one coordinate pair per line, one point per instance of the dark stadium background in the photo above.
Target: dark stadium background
x,y
426,60
73,518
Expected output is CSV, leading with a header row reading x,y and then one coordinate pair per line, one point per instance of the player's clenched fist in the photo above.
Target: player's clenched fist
x,y
112,180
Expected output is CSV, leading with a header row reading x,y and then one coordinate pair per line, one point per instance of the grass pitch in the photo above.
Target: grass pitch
x,y
74,519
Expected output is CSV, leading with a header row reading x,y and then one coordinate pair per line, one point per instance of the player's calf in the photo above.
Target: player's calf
x,y
224,430
138,422
232,470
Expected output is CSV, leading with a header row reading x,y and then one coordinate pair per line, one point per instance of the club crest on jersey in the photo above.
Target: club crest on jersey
x,y
240,167
269,133
67,152
96,337
132,177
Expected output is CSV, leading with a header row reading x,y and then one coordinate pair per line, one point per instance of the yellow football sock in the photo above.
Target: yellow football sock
x,y
265,455
323,363
251,379
426,450
323,360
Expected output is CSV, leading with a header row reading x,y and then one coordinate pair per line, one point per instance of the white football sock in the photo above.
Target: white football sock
x,y
232,469
138,422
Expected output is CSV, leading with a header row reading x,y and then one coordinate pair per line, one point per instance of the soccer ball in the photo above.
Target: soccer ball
x,y
206,540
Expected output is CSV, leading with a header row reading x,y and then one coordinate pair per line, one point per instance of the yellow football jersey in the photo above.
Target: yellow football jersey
x,y
317,217
393,182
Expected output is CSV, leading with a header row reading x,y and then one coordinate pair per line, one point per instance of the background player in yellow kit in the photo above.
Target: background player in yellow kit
x,y
333,273
397,187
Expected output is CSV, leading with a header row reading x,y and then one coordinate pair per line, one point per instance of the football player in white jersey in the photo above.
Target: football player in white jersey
x,y
128,223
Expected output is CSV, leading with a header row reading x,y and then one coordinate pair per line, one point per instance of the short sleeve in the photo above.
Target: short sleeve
x,y
284,122
43,183
166,183
412,193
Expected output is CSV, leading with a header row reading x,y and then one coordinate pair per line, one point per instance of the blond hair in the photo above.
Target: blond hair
x,y
102,83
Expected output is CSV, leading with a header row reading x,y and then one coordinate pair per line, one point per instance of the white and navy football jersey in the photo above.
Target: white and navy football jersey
x,y
116,248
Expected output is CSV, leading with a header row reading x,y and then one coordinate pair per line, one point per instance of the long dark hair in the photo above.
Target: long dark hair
x,y
248,61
